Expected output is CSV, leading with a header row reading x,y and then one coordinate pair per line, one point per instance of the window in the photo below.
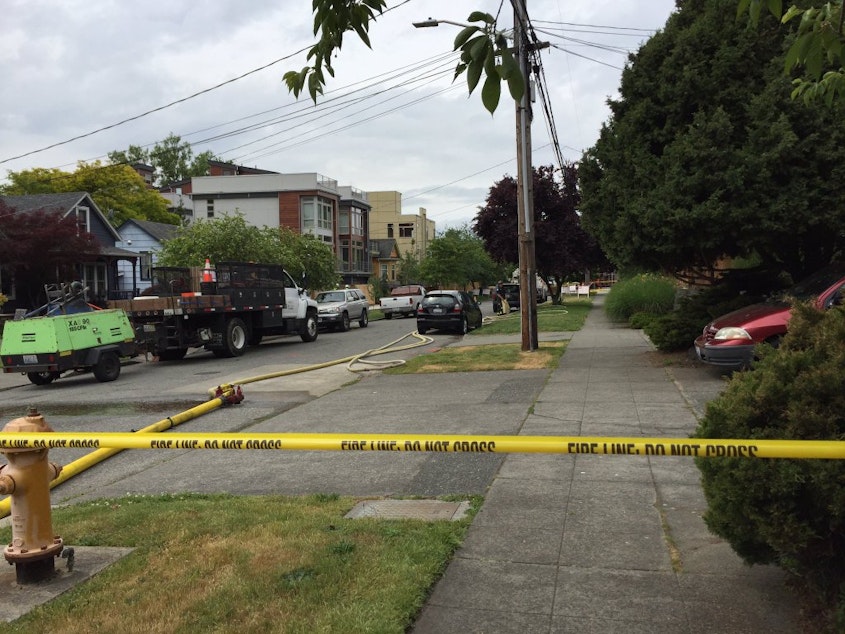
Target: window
x,y
317,215
356,221
324,214
343,222
358,255
209,208
406,230
81,219
146,261
307,210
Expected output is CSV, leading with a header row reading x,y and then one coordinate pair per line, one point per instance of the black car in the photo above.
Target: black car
x,y
448,310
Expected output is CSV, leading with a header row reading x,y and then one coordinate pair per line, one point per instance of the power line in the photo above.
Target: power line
x,y
149,112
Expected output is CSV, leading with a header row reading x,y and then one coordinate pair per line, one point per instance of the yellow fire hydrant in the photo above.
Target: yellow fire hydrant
x,y
27,479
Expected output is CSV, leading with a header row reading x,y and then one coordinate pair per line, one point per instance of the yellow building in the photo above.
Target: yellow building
x,y
413,233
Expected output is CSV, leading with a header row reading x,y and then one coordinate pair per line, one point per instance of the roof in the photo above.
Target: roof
x,y
38,202
117,252
62,201
161,231
384,248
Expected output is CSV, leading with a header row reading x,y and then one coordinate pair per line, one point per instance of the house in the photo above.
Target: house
x,y
412,232
98,271
145,238
385,257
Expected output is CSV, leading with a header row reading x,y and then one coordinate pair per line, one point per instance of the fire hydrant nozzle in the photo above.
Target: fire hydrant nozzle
x,y
27,479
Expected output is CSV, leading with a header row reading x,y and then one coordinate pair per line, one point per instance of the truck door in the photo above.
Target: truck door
x,y
292,299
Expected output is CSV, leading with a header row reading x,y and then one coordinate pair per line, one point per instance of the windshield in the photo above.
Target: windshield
x,y
817,283
439,300
325,298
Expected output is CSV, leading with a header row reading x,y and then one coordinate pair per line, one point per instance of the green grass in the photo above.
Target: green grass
x,y
220,563
568,317
483,358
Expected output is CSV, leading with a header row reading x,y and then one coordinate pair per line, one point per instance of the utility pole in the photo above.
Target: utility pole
x,y
525,187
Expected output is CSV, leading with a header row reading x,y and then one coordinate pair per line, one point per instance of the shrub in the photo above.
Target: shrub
x,y
787,512
674,331
648,293
641,319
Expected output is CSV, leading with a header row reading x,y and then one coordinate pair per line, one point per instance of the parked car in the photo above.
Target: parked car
x,y
337,309
448,310
403,300
729,341
511,293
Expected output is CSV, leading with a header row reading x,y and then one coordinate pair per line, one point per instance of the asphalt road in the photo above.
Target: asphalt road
x,y
148,392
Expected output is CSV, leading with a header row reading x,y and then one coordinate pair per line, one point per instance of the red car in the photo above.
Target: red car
x,y
729,341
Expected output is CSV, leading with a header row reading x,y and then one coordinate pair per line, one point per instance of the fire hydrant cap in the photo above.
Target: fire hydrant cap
x,y
31,423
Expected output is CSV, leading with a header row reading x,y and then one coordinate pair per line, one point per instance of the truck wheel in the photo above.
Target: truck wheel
x,y
344,322
365,319
309,333
42,378
388,315
107,368
234,340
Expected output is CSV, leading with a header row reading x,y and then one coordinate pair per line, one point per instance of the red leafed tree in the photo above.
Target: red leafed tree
x,y
563,250
41,247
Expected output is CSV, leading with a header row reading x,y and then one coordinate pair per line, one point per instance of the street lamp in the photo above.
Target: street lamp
x,y
525,189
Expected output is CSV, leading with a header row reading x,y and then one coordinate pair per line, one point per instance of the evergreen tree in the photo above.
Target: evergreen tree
x,y
706,155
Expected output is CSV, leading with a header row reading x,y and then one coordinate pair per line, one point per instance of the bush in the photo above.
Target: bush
x,y
647,293
674,331
641,319
786,512
678,329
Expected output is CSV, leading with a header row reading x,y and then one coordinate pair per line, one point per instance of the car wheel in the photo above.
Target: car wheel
x,y
365,319
464,326
309,333
107,368
422,330
388,315
344,322
42,378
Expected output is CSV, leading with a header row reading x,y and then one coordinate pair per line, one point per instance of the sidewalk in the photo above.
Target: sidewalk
x,y
590,543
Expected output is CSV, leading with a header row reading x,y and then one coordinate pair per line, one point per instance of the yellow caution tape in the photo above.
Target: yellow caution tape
x,y
704,448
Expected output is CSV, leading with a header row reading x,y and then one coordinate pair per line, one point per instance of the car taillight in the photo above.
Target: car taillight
x,y
457,308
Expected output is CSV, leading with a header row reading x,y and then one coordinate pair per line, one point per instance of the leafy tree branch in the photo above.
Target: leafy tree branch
x,y
484,50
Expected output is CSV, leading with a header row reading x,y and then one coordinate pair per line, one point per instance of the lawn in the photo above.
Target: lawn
x,y
220,563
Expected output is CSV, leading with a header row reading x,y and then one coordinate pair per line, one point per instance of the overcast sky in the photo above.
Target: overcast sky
x,y
391,118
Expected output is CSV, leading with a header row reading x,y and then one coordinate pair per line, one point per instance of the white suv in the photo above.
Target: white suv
x,y
337,309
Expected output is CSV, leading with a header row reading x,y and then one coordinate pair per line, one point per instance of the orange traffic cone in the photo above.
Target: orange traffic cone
x,y
207,275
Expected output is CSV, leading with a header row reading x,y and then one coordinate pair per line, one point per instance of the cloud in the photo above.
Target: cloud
x,y
73,67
